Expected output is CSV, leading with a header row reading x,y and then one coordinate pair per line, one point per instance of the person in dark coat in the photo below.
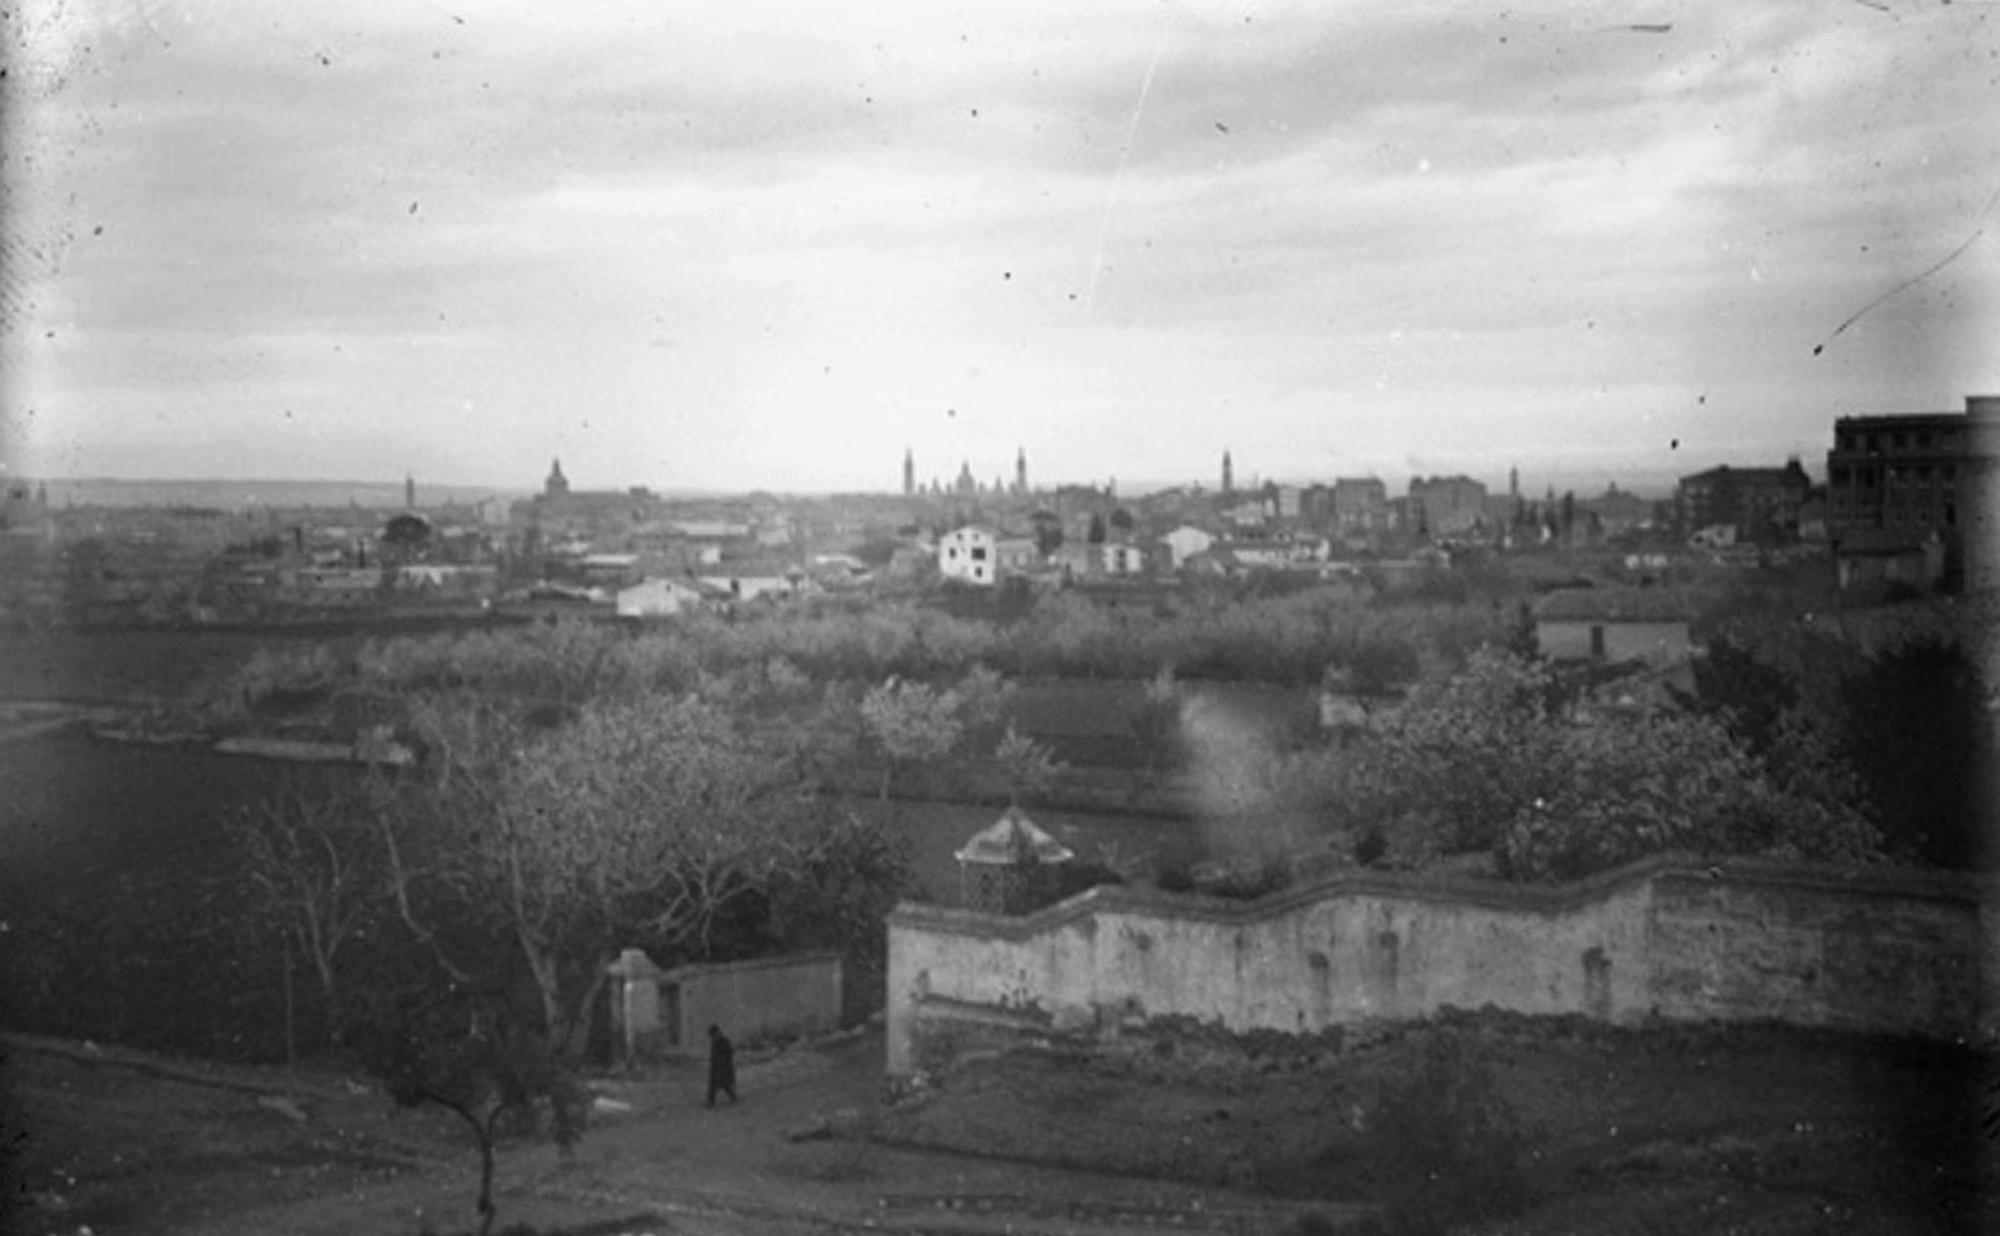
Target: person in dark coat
x,y
721,1065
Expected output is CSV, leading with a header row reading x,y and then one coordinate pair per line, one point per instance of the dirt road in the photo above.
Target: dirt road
x,y
123,1142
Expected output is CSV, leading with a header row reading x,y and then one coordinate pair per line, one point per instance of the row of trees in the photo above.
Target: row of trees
x,y
1286,639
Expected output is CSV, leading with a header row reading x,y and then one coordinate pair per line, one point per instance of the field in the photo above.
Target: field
x,y
1664,1132
1657,1131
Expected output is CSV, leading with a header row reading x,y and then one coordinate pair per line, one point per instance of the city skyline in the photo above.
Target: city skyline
x,y
732,248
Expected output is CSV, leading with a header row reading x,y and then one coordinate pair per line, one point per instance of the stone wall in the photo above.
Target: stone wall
x,y
1672,938
657,1012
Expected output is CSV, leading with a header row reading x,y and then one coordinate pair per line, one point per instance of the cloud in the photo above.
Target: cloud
x,y
632,232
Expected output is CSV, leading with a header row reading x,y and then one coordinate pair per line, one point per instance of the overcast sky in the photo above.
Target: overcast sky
x,y
737,245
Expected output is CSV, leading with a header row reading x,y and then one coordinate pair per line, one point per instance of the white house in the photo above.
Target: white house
x,y
1122,558
968,554
1185,542
1279,553
658,598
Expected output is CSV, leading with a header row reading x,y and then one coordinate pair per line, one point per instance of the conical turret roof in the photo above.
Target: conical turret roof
x,y
1013,839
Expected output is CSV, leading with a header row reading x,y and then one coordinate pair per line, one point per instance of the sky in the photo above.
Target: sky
x,y
738,245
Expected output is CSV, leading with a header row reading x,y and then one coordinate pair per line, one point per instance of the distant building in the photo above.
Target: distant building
x,y
1761,504
1122,558
1183,543
658,598
1015,555
750,581
1914,476
1447,505
967,554
1360,506
1614,624
1617,510
1889,556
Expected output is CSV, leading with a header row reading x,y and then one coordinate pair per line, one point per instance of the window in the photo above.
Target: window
x,y
1597,641
979,554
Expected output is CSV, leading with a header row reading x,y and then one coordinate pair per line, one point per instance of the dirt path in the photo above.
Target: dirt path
x,y
122,1142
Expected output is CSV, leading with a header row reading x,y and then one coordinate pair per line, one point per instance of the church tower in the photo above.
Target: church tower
x,y
557,486
1228,475
909,473
409,492
1020,470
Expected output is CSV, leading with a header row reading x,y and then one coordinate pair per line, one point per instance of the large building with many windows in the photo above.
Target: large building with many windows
x,y
1758,504
1918,476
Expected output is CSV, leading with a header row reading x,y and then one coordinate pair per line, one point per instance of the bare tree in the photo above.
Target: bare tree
x,y
312,867
641,820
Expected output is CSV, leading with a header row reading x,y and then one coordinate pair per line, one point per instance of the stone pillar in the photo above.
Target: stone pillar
x,y
635,1005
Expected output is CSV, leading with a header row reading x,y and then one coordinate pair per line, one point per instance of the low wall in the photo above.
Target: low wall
x,y
1671,938
657,1012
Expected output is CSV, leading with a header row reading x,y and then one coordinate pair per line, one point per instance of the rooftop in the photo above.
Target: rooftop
x,y
1615,605
1013,839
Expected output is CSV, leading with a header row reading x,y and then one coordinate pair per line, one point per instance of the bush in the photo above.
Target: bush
x,y
1445,1146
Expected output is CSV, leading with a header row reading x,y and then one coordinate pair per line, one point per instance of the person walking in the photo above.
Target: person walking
x,y
721,1065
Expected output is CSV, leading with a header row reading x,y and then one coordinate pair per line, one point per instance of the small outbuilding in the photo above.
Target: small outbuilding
x,y
1614,624
1889,556
1010,866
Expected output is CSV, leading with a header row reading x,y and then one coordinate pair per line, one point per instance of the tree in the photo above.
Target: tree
x,y
311,866
1048,532
845,874
1154,720
1916,729
1501,759
638,821
482,1075
1027,766
910,722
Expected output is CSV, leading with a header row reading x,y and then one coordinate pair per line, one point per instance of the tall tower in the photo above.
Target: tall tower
x,y
1228,474
409,492
909,473
557,485
1514,482
1020,470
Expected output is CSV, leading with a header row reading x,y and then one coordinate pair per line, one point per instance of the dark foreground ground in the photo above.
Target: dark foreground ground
x,y
1758,1132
